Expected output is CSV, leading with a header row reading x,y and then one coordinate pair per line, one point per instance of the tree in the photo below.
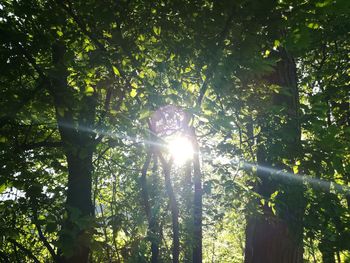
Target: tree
x,y
281,141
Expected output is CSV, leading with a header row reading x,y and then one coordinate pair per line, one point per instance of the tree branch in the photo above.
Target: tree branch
x,y
211,70
25,250
144,186
41,144
45,242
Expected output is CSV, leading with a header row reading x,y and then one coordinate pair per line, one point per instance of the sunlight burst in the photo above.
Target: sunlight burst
x,y
181,149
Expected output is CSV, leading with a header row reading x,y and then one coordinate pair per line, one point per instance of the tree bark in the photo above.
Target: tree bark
x,y
327,252
152,224
197,202
173,207
271,238
79,146
187,196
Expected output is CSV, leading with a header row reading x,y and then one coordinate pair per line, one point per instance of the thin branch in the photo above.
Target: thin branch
x,y
42,237
45,242
100,156
82,27
212,69
32,61
144,190
25,250
19,105
47,144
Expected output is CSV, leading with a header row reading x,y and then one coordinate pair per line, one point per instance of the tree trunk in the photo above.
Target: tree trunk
x,y
187,196
173,207
197,202
76,229
271,238
326,251
152,223
79,146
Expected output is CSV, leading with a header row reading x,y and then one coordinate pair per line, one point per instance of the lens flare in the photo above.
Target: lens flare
x,y
180,149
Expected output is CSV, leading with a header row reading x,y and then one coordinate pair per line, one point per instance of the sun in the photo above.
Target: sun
x,y
180,149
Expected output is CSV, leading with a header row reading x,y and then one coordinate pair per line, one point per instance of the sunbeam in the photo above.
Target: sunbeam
x,y
181,151
282,175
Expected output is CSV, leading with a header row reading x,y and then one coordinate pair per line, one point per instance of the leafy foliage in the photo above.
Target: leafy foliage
x,y
79,81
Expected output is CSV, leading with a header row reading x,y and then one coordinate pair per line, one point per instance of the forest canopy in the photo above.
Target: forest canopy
x,y
175,131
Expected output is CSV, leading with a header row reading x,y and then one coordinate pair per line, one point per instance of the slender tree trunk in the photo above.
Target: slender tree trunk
x,y
105,226
327,252
173,207
338,257
197,202
271,238
152,224
187,196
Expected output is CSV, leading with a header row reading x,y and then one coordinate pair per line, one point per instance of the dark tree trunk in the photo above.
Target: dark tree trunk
x,y
151,218
197,202
173,207
79,146
154,224
187,196
79,207
271,238
327,252
154,241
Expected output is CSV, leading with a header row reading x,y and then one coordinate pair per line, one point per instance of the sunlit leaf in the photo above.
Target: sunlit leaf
x,y
133,93
116,71
157,30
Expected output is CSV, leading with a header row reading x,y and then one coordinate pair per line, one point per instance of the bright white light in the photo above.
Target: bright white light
x,y
181,149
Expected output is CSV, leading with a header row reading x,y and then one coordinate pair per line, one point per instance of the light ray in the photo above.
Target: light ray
x,y
281,174
114,135
242,164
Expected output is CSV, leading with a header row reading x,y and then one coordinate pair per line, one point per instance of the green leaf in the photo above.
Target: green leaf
x,y
267,53
274,194
273,210
134,85
133,93
89,90
276,44
323,4
3,187
313,25
145,114
141,38
116,71
153,39
157,30
295,169
142,74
